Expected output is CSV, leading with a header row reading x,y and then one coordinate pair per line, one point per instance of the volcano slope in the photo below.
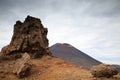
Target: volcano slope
x,y
69,53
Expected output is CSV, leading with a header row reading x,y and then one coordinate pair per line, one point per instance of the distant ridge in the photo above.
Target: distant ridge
x,y
117,67
69,53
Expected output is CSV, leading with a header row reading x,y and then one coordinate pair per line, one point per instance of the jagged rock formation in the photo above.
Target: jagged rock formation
x,y
23,66
29,36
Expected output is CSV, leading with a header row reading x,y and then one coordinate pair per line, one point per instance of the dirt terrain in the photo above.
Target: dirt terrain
x,y
48,68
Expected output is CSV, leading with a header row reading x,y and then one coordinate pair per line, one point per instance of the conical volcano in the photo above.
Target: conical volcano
x,y
71,54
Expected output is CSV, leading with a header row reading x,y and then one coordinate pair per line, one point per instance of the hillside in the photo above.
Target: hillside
x,y
46,68
69,53
49,68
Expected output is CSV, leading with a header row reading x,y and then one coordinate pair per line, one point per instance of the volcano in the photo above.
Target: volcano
x,y
71,54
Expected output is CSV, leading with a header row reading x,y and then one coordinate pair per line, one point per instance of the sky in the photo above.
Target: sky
x,y
92,26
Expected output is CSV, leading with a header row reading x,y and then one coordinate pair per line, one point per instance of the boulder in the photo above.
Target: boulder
x,y
29,36
103,70
22,66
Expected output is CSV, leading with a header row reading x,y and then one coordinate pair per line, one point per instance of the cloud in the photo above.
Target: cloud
x,y
106,8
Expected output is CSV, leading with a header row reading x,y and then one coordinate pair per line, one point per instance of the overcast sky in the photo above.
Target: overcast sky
x,y
92,26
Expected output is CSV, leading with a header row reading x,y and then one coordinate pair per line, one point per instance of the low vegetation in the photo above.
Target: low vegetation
x,y
103,70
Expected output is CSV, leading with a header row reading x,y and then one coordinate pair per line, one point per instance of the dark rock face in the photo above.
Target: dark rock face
x,y
29,36
23,66
104,70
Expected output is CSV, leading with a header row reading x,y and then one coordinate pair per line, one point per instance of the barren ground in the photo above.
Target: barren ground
x,y
49,68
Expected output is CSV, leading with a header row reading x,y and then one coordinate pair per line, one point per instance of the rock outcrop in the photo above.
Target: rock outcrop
x,y
23,66
29,36
103,70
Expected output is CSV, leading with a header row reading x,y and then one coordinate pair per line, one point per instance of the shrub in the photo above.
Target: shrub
x,y
103,70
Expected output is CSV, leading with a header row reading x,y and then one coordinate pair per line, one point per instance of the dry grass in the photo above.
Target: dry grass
x,y
49,68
